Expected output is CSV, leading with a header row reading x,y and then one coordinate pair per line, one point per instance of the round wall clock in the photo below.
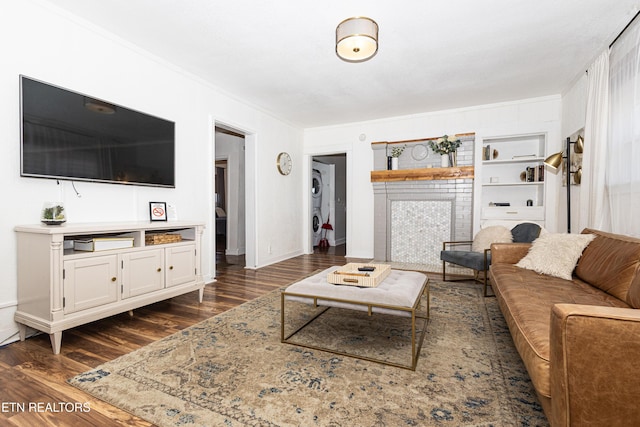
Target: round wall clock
x,y
284,163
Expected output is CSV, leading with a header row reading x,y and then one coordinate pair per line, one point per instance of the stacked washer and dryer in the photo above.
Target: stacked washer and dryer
x,y
316,195
323,182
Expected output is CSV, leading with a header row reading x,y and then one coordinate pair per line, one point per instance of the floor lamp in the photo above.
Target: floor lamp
x,y
555,160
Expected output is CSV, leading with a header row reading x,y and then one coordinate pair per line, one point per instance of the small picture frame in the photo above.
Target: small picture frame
x,y
158,211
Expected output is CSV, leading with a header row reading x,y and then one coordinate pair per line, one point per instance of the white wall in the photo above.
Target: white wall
x,y
539,114
48,44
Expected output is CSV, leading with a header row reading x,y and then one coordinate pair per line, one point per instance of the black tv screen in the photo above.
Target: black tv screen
x,y
71,136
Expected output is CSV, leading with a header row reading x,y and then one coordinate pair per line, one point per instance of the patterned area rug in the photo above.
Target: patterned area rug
x,y
232,370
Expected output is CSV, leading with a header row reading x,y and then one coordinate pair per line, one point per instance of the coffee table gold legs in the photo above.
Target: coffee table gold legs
x,y
416,345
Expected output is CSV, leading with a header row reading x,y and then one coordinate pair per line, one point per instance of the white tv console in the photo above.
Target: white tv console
x,y
60,288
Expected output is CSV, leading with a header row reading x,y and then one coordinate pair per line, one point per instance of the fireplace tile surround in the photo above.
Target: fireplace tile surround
x,y
421,205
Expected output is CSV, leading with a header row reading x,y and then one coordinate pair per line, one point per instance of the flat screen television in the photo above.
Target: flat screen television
x,y
70,136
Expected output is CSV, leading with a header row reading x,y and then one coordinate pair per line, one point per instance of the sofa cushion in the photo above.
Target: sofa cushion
x,y
494,234
556,254
612,263
469,259
526,232
526,299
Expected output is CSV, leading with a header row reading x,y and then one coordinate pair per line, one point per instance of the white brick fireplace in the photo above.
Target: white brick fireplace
x,y
421,205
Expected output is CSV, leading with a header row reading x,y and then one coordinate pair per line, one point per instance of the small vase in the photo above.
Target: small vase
x,y
394,163
453,158
444,160
389,162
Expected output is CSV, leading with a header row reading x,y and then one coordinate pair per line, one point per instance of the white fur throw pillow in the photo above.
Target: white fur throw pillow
x,y
489,235
556,254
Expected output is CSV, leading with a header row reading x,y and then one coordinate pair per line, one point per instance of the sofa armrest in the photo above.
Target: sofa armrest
x,y
508,253
594,360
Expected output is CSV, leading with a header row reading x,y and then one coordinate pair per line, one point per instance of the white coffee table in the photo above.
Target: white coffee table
x,y
399,294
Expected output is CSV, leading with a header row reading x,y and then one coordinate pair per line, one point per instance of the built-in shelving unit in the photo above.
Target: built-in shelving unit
x,y
60,287
513,173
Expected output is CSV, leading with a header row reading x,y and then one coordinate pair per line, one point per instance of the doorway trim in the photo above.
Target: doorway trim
x,y
308,202
250,182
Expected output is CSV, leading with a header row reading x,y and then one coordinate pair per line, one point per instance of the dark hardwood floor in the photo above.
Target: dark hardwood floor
x,y
31,374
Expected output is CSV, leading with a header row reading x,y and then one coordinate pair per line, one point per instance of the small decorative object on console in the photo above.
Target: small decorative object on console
x,y
158,211
97,244
161,238
53,213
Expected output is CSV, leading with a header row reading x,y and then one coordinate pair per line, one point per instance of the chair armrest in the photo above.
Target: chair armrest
x,y
508,253
594,364
454,243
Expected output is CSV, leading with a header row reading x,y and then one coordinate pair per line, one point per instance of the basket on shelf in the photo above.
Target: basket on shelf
x,y
160,238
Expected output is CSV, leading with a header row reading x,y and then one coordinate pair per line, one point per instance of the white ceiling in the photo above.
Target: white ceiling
x,y
279,55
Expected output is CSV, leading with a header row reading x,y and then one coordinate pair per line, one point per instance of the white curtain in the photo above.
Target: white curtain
x,y
594,206
623,164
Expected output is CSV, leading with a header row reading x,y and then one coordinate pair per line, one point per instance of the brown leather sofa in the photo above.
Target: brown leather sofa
x,y
579,339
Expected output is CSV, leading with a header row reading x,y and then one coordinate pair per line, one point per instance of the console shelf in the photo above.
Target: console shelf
x,y
60,288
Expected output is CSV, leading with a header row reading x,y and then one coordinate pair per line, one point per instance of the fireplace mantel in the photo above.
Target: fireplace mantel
x,y
420,205
423,174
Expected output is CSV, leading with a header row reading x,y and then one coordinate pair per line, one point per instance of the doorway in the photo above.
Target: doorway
x,y
229,197
329,203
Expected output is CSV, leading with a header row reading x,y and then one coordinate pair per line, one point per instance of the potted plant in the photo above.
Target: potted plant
x,y
447,149
53,213
395,153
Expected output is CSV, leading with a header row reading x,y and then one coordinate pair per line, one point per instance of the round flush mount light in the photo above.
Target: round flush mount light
x,y
98,106
357,39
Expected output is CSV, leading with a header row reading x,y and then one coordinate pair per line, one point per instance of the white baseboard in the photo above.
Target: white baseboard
x,y
236,252
7,336
273,260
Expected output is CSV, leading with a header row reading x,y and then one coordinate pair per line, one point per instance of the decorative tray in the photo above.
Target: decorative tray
x,y
355,274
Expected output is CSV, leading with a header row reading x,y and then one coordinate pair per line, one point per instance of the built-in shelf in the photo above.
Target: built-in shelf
x,y
423,174
512,176
502,184
520,159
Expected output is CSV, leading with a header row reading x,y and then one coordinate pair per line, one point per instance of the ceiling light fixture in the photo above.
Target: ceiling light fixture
x,y
357,39
98,106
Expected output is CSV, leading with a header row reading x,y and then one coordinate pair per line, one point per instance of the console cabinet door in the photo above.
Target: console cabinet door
x,y
181,265
90,282
142,272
